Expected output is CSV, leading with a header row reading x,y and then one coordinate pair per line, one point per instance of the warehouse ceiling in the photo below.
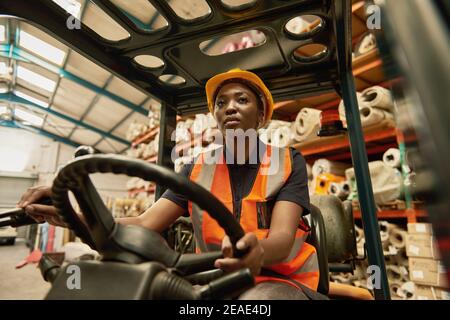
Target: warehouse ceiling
x,y
50,89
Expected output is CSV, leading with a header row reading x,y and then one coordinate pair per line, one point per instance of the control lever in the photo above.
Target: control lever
x,y
228,286
18,217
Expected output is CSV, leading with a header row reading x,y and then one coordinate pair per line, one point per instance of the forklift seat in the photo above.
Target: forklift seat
x,y
333,236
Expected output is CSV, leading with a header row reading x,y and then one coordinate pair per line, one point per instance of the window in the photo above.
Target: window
x,y
3,110
41,48
2,33
25,96
36,79
190,10
233,42
142,13
72,7
3,68
28,117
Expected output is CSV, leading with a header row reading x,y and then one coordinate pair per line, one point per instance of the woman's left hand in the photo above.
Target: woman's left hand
x,y
253,259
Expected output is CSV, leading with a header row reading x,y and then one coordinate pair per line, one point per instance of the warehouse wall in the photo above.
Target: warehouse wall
x,y
23,153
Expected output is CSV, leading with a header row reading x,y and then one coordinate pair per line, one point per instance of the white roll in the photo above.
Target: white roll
x,y
281,136
386,181
394,273
407,291
181,125
397,237
378,97
366,44
326,166
341,107
392,158
211,134
211,122
394,287
182,134
306,124
200,123
340,190
188,123
371,115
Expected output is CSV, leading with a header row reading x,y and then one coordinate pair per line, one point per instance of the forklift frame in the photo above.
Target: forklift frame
x,y
274,61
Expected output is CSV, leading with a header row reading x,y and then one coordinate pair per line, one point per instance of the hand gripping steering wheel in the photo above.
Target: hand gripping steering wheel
x,y
130,243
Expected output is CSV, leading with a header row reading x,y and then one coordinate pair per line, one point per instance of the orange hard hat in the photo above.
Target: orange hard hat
x,y
214,83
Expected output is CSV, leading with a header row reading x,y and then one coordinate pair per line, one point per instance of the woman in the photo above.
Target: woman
x,y
266,190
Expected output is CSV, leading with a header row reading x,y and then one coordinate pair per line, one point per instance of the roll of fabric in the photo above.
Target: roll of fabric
x,y
277,133
371,115
366,44
282,136
306,124
386,181
340,190
211,135
394,274
392,157
211,122
182,134
323,181
397,237
378,97
341,108
181,125
394,287
200,123
327,166
407,291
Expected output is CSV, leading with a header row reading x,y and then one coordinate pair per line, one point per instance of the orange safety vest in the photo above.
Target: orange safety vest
x,y
254,216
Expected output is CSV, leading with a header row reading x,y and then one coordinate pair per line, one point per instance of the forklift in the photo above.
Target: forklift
x,y
147,266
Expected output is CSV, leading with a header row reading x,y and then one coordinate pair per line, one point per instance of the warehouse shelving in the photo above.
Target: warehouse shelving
x,y
133,192
368,71
378,139
411,215
145,137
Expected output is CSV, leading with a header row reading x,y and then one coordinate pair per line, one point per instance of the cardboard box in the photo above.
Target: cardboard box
x,y
428,272
421,245
420,228
422,292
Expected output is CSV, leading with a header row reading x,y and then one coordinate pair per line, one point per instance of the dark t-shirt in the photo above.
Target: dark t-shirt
x,y
243,175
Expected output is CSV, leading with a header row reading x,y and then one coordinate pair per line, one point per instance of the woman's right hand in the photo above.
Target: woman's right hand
x,y
40,212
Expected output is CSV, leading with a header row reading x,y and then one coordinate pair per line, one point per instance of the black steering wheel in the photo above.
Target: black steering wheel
x,y
134,244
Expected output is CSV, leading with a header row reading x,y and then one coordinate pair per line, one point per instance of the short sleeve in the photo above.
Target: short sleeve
x,y
177,198
296,187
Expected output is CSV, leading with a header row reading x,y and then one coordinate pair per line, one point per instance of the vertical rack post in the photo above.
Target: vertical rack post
x,y
358,147
167,126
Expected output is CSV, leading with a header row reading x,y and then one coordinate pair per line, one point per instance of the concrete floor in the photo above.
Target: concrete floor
x,y
19,284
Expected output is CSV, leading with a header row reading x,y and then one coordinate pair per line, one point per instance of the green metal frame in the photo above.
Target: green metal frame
x,y
18,125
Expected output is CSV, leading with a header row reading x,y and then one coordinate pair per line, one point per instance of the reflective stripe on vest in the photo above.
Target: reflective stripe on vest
x,y
274,170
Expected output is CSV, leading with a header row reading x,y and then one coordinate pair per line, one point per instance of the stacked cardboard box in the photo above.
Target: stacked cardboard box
x,y
425,268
